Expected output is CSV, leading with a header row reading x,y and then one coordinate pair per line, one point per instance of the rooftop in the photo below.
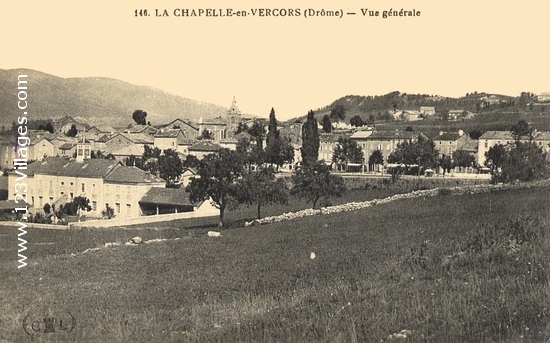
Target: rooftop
x,y
166,196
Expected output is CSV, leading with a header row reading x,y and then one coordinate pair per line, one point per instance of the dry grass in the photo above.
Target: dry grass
x,y
447,268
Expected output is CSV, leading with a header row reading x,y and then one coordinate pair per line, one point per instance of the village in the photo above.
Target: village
x,y
111,168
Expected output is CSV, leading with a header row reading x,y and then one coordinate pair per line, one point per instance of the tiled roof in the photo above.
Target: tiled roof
x,y
103,129
447,136
67,146
168,133
205,145
11,204
186,122
63,166
166,196
128,151
502,135
361,134
127,174
376,135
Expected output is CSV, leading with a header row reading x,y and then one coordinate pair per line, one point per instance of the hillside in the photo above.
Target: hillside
x,y
96,100
378,104
446,268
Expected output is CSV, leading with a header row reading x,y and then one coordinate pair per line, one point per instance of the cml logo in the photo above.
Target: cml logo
x,y
35,325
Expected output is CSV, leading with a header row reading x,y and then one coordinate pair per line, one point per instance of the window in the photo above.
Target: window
x,y
62,183
117,207
79,151
40,202
83,187
94,205
128,209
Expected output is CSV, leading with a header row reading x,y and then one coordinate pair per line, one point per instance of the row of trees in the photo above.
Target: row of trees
x,y
227,179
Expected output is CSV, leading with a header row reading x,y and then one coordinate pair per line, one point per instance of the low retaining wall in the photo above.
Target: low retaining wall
x,y
137,220
471,189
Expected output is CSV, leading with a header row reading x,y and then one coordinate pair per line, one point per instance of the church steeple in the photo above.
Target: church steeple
x,y
233,118
234,109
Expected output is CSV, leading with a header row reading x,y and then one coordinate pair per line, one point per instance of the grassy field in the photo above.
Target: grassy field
x,y
448,268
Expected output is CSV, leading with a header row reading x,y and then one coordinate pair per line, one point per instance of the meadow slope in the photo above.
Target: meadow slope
x,y
447,268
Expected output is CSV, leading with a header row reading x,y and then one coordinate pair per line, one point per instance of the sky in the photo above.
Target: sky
x,y
292,64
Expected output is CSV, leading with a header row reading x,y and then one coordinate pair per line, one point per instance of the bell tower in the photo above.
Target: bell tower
x,y
233,118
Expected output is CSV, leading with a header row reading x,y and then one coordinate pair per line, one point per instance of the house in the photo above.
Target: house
x,y
427,110
171,139
411,115
543,97
57,180
327,144
454,115
448,142
139,128
67,149
385,141
490,139
203,148
34,147
189,130
123,154
222,127
123,140
173,200
64,124
187,175
100,130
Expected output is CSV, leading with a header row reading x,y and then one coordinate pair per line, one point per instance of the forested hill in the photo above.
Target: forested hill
x,y
377,105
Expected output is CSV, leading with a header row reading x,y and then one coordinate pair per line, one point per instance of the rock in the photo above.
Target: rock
x,y
136,240
111,244
214,234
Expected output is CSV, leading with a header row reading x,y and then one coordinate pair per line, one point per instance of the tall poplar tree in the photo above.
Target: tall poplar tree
x,y
310,140
273,146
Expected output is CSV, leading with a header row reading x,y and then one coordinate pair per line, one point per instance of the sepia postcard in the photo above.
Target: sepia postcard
x,y
274,171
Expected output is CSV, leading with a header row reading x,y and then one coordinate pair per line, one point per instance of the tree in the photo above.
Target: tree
x,y
47,208
446,163
170,167
494,159
218,174
260,188
524,162
376,158
327,125
521,129
108,212
315,182
422,151
357,121
347,151
73,131
273,145
149,152
475,134
139,116
463,159
242,127
73,208
257,130
338,112
310,140
191,161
